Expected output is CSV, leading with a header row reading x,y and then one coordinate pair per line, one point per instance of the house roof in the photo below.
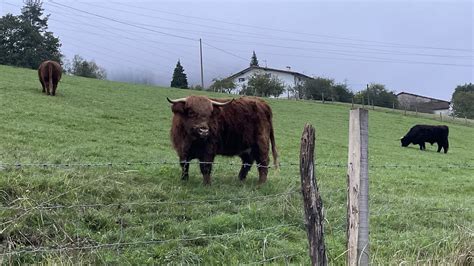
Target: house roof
x,y
433,99
267,69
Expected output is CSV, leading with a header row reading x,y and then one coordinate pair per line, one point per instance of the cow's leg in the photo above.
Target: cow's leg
x,y
47,87
42,85
55,85
446,146
184,162
247,161
262,160
205,164
422,146
440,145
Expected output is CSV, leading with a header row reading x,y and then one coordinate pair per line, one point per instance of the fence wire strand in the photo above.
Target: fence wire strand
x,y
138,243
137,203
164,162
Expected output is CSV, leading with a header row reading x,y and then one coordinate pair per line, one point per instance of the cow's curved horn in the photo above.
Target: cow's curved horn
x,y
177,100
221,104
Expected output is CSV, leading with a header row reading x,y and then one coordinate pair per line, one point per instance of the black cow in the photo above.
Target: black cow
x,y
420,134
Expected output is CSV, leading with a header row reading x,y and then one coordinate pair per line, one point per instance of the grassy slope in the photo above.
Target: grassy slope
x,y
416,214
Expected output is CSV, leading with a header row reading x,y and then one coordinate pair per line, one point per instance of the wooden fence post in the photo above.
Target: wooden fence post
x,y
313,206
358,189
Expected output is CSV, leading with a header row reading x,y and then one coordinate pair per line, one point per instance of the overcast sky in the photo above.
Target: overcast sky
x,y
423,47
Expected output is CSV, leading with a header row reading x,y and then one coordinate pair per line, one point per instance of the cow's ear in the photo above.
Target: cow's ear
x,y
178,107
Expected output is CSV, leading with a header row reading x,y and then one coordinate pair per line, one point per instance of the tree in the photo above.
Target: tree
x,y
463,101
341,93
263,85
84,68
179,77
378,95
317,88
254,60
25,40
222,85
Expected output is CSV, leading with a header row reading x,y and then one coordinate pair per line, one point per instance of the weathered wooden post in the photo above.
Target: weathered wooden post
x,y
358,189
313,206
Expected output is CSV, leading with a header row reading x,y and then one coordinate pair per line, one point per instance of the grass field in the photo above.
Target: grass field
x,y
145,214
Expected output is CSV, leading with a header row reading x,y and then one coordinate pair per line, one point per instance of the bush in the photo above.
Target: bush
x,y
263,85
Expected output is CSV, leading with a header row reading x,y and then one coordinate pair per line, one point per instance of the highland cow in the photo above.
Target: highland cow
x,y
203,128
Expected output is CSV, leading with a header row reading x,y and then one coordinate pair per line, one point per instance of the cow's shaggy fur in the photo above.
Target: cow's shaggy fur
x,y
201,130
49,73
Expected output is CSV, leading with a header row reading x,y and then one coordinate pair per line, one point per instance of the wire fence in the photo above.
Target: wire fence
x,y
145,203
18,165
21,208
140,243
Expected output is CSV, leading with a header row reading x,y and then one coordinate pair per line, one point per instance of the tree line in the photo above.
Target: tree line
x,y
25,41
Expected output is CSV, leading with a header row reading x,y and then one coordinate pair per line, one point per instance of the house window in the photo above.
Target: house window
x,y
241,79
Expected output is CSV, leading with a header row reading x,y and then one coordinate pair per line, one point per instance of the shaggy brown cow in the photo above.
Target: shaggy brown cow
x,y
203,128
49,73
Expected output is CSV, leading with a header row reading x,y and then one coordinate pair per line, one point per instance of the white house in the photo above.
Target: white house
x,y
289,78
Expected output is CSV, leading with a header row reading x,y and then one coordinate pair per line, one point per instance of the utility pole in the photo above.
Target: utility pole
x,y
368,96
202,72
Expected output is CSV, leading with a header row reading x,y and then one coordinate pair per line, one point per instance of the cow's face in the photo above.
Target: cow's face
x,y
405,141
197,113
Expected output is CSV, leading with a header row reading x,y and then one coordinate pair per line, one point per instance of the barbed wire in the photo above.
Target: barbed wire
x,y
397,212
138,243
165,162
138,203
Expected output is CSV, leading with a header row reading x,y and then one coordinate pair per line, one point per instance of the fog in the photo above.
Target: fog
x,y
423,47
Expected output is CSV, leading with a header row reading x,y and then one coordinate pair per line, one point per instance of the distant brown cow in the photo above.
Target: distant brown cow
x,y
49,73
203,128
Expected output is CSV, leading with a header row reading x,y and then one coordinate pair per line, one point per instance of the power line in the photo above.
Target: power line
x,y
260,36
107,27
379,59
387,44
224,51
121,22
129,24
364,58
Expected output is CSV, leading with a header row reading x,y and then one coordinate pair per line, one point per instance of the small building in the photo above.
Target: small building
x,y
423,104
289,78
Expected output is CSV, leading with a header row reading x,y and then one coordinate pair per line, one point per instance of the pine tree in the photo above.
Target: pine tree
x,y
25,40
179,77
254,60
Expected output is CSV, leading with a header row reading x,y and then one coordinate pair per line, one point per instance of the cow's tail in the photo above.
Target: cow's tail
x,y
274,150
50,77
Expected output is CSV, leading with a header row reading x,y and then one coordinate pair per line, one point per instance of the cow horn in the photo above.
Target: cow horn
x,y
177,100
221,104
